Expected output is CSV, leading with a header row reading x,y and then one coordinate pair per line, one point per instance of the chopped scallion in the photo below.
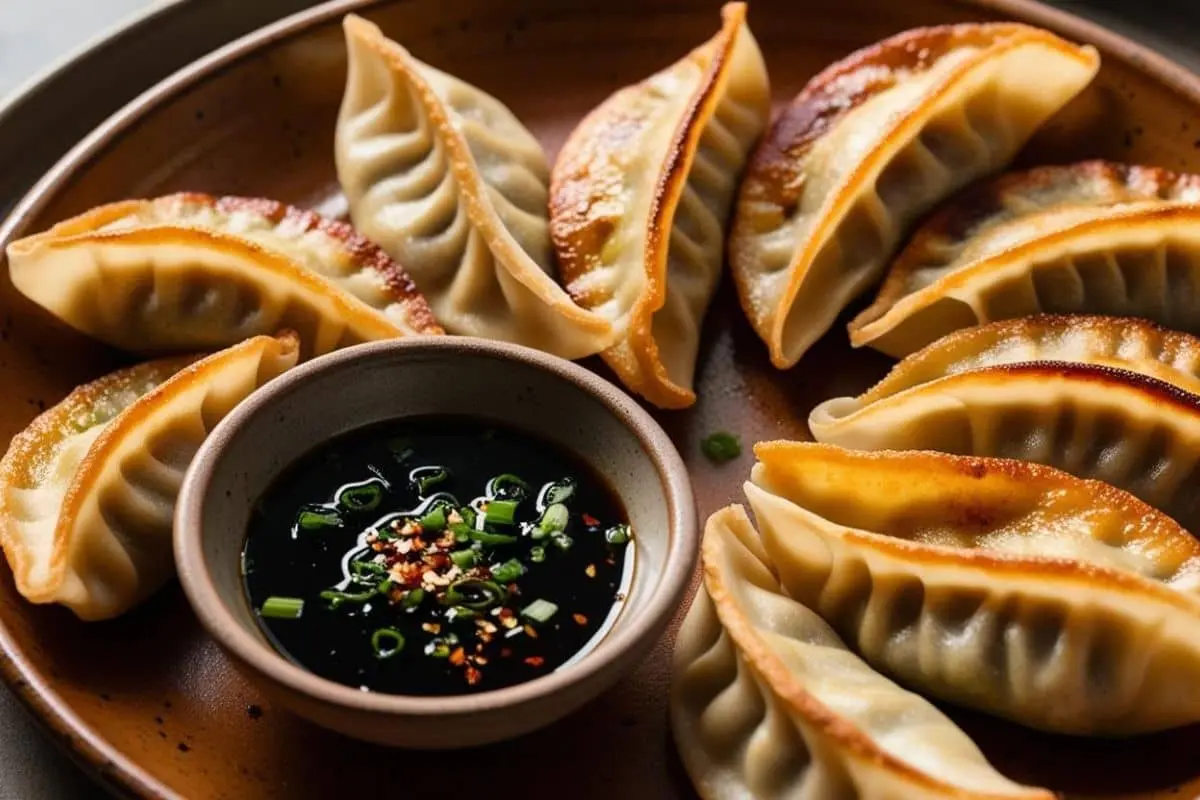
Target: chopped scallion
x,y
337,598
311,519
282,608
559,492
435,520
365,496
429,477
507,485
618,534
474,594
386,642
483,537
501,512
540,610
440,646
554,520
508,572
460,612
464,559
537,554
562,541
721,447
367,569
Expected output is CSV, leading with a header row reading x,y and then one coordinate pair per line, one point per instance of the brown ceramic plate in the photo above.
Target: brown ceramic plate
x,y
148,702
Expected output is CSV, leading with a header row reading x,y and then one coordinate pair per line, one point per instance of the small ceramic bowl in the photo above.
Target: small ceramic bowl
x,y
412,377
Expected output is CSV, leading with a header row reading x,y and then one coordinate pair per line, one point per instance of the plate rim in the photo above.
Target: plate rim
x,y
86,747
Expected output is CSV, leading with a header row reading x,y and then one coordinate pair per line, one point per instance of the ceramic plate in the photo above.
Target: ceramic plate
x,y
151,705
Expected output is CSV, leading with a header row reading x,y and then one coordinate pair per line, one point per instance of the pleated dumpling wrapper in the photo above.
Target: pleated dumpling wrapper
x,y
1094,237
87,491
767,702
1013,588
189,272
639,201
452,185
1138,433
872,144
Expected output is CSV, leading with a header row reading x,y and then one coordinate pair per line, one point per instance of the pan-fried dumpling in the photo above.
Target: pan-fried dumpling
x,y
872,144
453,186
87,491
1123,342
1094,237
1013,588
639,201
1132,431
191,272
767,702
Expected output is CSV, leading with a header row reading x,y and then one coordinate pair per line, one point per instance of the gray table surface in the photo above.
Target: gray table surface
x,y
37,33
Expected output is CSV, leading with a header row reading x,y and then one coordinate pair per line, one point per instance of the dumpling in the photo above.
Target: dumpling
x,y
640,197
767,702
453,186
1013,588
1134,432
1094,237
190,272
1123,342
872,144
87,491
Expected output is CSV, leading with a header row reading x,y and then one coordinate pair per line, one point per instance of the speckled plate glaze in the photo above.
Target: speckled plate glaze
x,y
151,706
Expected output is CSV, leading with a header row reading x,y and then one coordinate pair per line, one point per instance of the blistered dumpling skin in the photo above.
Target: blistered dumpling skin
x,y
1095,237
639,201
1122,342
1132,431
453,186
872,144
87,491
768,703
1013,588
191,272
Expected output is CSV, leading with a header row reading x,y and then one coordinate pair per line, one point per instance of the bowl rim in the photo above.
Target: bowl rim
x,y
630,631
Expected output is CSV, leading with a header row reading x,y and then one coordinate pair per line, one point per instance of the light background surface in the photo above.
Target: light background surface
x,y
35,34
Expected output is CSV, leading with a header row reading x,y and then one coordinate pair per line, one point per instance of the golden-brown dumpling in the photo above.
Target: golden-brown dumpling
x,y
191,272
87,491
640,197
1132,431
869,146
452,185
768,703
1094,237
1010,587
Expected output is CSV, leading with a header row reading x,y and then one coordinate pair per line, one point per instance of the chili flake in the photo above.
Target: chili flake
x,y
580,619
535,661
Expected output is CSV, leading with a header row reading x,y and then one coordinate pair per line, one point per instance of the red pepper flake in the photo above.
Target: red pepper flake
x,y
535,661
580,619
590,570
589,520
530,632
458,657
377,547
473,676
506,612
418,544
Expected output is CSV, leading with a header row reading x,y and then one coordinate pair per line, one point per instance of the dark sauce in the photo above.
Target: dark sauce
x,y
339,538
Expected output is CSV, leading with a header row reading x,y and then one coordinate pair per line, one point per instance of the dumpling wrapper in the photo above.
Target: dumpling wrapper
x,y
453,186
1016,589
768,703
1132,431
871,145
1094,237
87,491
191,272
640,197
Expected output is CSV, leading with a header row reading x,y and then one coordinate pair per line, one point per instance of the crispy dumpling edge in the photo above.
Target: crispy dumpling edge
x,y
773,166
508,253
650,379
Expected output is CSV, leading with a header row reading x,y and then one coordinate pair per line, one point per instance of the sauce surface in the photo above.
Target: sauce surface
x,y
437,556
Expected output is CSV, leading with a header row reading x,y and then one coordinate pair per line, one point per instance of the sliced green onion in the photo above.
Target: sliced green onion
x,y
474,593
537,554
498,484
483,537
560,492
721,447
464,559
435,520
311,519
508,572
440,646
367,569
462,531
282,608
460,612
412,598
618,534
468,514
501,512
562,541
386,642
435,476
338,598
365,496
539,610
554,520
